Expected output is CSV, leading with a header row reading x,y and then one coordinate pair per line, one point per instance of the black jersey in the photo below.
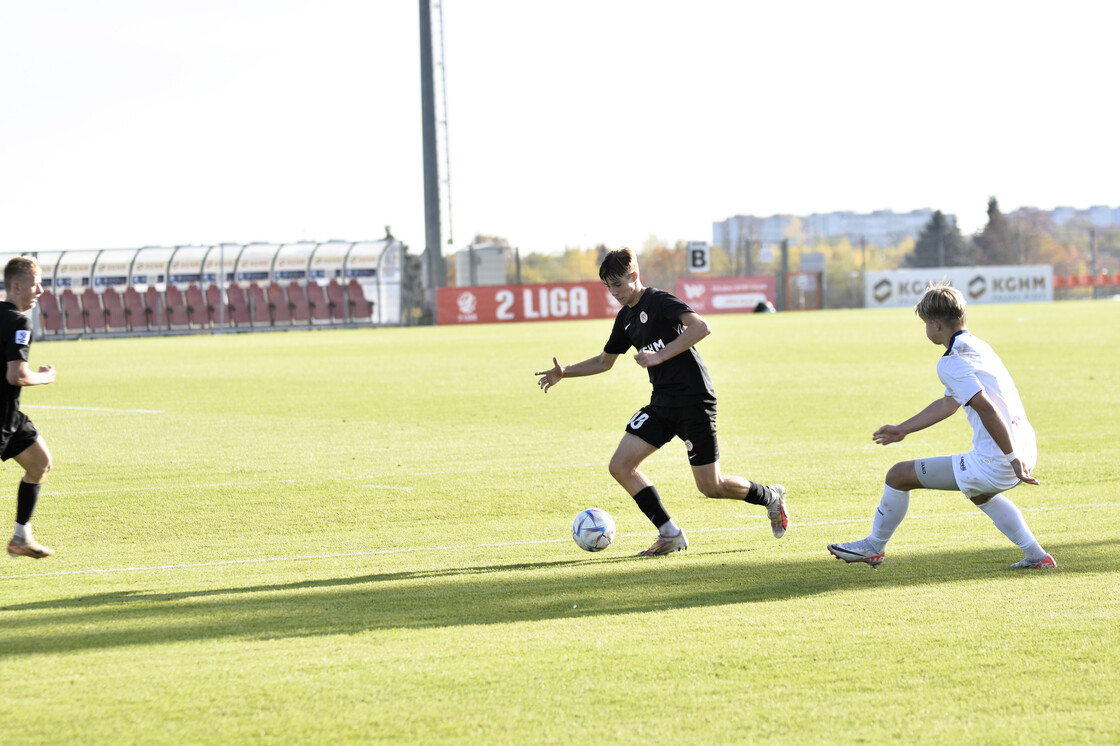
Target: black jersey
x,y
15,336
650,325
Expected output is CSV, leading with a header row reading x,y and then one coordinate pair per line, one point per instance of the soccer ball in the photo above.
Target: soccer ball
x,y
593,529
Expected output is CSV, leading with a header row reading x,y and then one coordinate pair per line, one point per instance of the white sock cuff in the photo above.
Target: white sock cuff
x,y
891,492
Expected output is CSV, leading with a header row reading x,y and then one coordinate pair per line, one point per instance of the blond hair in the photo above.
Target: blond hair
x,y
19,268
941,301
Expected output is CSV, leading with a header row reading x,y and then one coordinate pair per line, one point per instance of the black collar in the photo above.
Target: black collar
x,y
949,347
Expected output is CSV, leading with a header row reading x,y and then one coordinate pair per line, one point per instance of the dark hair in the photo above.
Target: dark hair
x,y
617,264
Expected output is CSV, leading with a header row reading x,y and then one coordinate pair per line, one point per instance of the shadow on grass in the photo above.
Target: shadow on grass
x,y
490,594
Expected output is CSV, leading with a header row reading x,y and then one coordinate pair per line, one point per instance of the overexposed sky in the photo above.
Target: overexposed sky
x,y
126,123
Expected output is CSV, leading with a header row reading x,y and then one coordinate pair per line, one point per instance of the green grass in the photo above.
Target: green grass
x,y
362,536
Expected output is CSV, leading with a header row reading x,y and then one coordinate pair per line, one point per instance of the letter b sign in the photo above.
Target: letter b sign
x,y
699,257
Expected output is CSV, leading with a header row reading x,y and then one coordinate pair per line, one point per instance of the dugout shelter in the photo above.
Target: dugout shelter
x,y
224,287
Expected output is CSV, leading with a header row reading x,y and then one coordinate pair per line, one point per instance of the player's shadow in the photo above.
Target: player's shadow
x,y
496,594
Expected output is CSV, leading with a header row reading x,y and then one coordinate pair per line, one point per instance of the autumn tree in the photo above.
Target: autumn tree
x,y
940,244
996,243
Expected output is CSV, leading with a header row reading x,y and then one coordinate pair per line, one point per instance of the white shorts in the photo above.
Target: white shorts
x,y
972,474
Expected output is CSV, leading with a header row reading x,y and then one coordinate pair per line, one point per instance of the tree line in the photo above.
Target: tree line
x,y
1027,236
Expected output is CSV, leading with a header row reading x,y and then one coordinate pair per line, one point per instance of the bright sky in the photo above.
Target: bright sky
x,y
126,123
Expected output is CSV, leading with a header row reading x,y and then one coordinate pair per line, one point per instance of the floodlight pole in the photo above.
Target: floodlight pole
x,y
435,277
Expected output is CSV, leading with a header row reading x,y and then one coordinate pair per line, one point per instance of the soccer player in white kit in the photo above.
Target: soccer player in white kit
x,y
1004,448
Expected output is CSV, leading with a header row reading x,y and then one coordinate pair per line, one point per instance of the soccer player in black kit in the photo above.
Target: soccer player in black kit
x,y
19,439
665,331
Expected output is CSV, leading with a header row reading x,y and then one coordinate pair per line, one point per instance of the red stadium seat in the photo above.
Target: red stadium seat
x,y
134,310
279,305
197,312
73,318
214,308
1060,281
258,303
301,311
238,305
360,308
49,313
317,301
1116,278
336,297
176,306
92,311
116,320
1102,280
153,307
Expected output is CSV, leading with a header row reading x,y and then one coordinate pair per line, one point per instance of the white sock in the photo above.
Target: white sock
x,y
891,511
23,530
669,528
1009,519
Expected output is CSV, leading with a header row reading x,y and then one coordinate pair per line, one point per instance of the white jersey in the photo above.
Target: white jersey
x,y
969,366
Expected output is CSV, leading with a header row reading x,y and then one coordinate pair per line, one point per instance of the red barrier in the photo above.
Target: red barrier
x,y
726,294
502,303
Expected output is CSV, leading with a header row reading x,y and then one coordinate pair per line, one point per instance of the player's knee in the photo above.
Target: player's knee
x,y
901,475
37,473
709,488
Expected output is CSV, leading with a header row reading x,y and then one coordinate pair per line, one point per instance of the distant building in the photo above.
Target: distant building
x,y
1099,216
880,228
482,264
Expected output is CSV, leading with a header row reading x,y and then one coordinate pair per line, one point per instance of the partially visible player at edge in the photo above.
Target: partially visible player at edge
x,y
1004,448
665,331
19,439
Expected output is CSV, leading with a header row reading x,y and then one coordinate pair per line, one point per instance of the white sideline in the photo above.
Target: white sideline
x,y
95,409
409,550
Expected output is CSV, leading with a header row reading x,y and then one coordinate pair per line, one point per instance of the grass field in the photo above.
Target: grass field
x,y
362,537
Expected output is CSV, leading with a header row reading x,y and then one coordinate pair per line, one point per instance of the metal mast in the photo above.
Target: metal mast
x,y
434,275
443,137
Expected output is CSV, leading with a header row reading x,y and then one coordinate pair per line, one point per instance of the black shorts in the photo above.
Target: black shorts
x,y
22,436
696,426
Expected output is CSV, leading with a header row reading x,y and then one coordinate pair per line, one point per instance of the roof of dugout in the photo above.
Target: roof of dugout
x,y
221,264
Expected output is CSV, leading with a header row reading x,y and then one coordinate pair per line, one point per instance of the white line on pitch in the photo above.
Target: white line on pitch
x,y
413,550
177,487
96,409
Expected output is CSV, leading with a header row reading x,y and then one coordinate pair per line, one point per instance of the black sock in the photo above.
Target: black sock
x,y
26,498
649,502
758,495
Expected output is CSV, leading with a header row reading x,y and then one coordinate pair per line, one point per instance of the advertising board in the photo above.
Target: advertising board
x,y
902,288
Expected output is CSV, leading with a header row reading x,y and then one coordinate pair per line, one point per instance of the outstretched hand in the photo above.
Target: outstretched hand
x,y
550,377
1023,472
888,434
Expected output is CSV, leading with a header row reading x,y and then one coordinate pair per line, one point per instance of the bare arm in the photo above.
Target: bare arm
x,y
695,329
589,367
20,374
1000,432
936,412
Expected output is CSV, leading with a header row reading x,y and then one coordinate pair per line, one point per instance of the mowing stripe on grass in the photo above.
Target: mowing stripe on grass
x,y
412,550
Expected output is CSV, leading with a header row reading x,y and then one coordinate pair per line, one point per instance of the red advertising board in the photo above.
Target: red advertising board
x,y
726,294
548,302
